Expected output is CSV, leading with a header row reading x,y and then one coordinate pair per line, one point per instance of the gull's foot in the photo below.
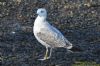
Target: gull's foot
x,y
70,51
44,58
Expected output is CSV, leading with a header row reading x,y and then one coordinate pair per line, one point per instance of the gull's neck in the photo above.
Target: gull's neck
x,y
41,18
39,22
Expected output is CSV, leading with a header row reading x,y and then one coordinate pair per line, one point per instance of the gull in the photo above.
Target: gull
x,y
47,35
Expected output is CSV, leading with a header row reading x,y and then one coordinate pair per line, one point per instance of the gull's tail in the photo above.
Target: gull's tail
x,y
68,44
72,48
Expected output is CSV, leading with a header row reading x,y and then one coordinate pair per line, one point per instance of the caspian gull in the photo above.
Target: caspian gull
x,y
48,35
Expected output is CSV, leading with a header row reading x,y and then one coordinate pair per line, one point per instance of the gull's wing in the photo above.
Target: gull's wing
x,y
53,37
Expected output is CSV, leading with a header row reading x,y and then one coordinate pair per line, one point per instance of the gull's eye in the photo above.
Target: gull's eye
x,y
42,11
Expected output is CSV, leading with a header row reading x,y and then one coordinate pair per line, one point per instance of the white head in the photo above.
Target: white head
x,y
42,12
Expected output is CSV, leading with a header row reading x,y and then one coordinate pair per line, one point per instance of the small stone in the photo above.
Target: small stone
x,y
1,15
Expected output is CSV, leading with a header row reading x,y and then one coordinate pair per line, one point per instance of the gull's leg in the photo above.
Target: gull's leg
x,y
46,55
50,53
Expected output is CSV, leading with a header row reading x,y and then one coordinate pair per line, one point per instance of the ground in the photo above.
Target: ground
x,y
78,20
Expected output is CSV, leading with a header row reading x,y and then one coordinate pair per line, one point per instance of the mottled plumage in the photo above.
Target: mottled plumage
x,y
48,35
53,37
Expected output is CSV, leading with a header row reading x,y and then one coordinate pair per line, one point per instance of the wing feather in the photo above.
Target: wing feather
x,y
52,37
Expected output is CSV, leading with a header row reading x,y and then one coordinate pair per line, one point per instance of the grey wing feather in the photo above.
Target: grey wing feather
x,y
68,44
53,37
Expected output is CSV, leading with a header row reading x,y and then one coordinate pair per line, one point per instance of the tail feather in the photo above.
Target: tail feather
x,y
68,45
72,48
76,49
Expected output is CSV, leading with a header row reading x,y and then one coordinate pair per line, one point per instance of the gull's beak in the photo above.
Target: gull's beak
x,y
37,12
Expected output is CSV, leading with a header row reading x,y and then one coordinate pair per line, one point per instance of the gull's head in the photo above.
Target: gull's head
x,y
42,12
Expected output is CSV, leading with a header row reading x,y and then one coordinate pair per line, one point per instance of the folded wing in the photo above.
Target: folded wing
x,y
53,37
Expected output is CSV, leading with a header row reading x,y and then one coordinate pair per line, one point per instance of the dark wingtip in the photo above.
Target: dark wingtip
x,y
75,49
